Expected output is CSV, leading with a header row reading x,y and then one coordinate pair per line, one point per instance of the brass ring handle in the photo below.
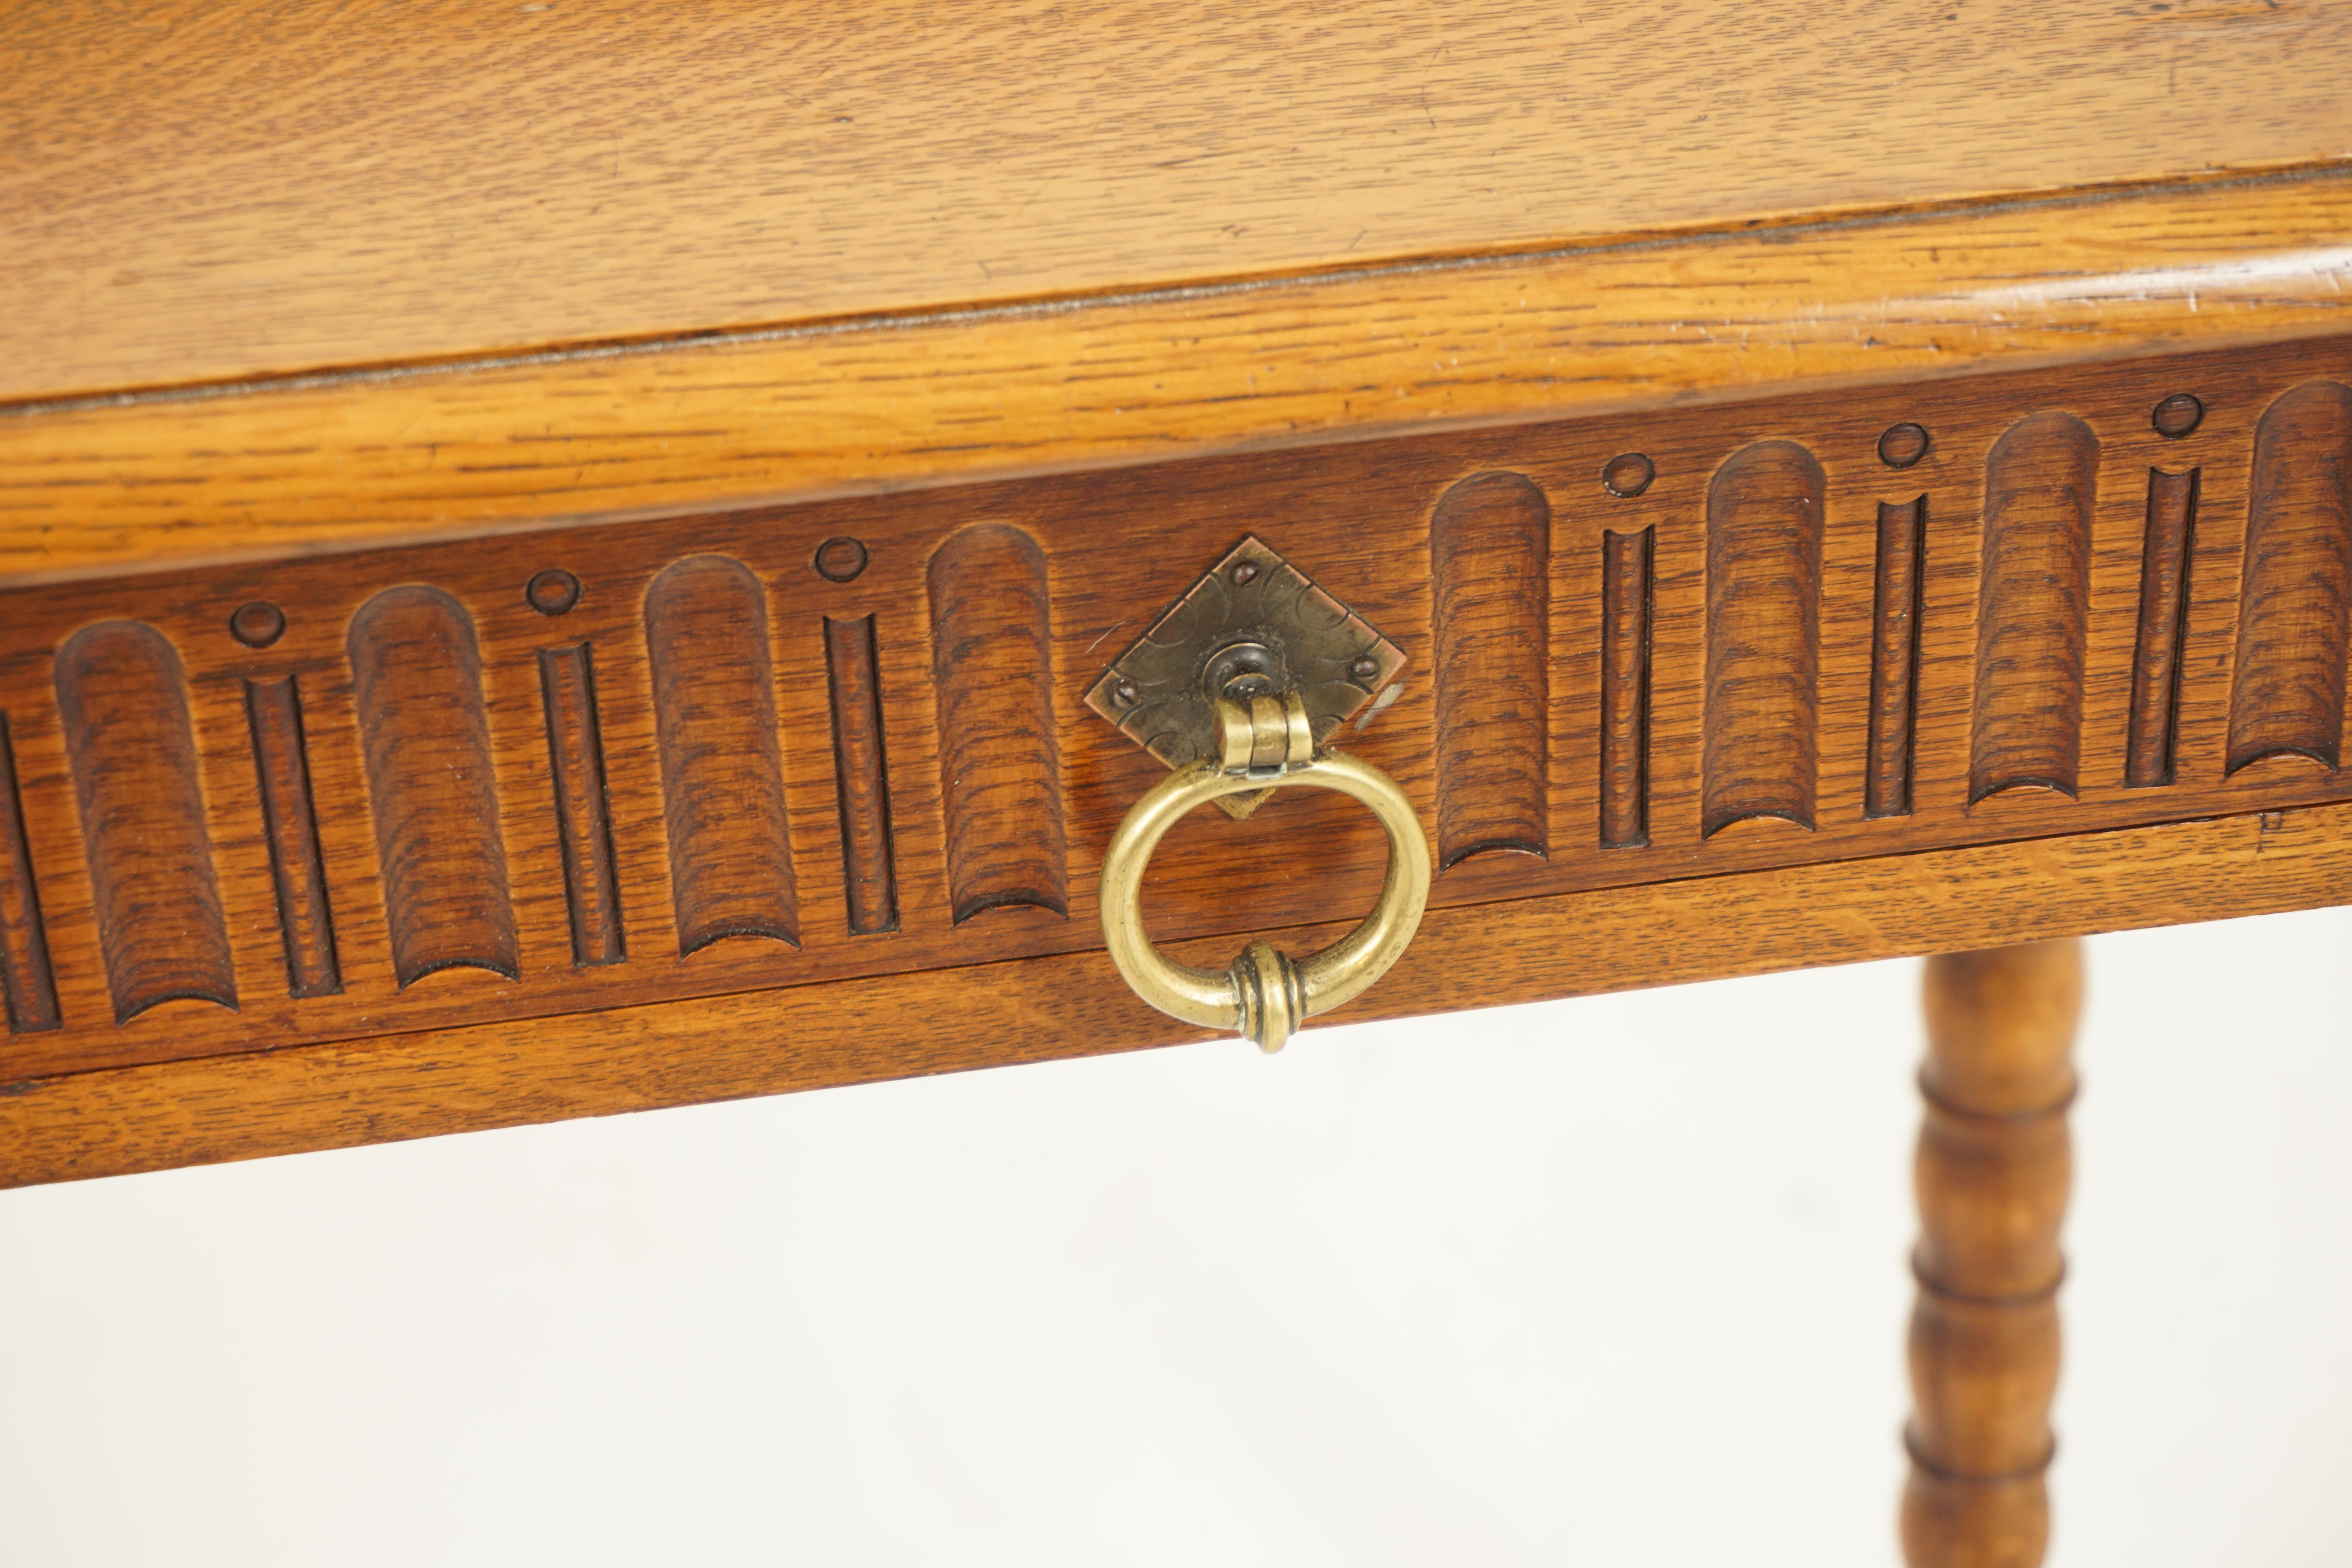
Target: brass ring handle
x,y
1264,994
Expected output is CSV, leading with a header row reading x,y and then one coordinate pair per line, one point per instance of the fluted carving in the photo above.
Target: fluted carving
x,y
417,683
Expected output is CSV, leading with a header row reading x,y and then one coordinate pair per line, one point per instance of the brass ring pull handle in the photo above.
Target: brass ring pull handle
x,y
1264,994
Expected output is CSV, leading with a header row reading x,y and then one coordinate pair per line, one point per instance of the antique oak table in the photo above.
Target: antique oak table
x,y
558,559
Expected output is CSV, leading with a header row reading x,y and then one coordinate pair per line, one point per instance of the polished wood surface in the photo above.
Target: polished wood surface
x,y
743,804
203,191
509,1074
370,457
1994,1168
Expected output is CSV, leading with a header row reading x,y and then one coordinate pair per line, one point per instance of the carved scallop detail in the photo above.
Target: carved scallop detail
x,y
27,982
2167,549
123,701
584,821
425,736
999,763
861,775
281,765
1626,562
1489,557
2288,695
2033,606
730,854
1894,656
1764,524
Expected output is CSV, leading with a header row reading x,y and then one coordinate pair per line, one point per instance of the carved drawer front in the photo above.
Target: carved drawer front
x,y
348,794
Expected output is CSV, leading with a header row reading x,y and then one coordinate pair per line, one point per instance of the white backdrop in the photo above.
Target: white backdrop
x,y
1614,1281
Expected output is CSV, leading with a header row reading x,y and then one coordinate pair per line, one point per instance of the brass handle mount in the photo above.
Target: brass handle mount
x,y
1264,742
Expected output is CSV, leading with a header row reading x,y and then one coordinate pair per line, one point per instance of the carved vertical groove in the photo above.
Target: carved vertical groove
x,y
26,981
584,822
1993,1170
1489,555
861,777
2165,555
416,686
1000,766
1764,522
1625,598
273,713
730,854
124,704
2033,606
1894,657
2289,691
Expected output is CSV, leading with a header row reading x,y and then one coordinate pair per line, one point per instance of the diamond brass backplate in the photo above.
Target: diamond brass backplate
x,y
1253,623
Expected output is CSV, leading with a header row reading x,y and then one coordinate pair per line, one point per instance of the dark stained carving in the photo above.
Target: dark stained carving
x,y
731,855
861,777
258,624
2033,606
583,820
1711,652
1000,766
124,705
1764,522
553,592
840,559
2288,697
26,980
416,687
1628,474
2178,414
1902,445
1625,597
1894,656
273,714
2165,555
1489,556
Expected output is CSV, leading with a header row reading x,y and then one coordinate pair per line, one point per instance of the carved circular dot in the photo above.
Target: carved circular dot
x,y
1125,694
1903,444
840,559
553,592
1627,474
1245,573
2178,414
1365,667
257,625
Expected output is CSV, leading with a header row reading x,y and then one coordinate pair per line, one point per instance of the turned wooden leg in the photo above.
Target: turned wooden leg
x,y
1994,1170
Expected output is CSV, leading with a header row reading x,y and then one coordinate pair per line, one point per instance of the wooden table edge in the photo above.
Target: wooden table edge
x,y
208,1110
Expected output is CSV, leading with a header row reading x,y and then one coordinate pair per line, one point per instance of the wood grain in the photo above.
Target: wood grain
x,y
1764,527
507,1074
1994,1169
1894,657
861,775
231,188
730,845
424,451
122,702
1625,567
26,983
2166,551
2040,495
416,687
584,816
1000,764
1356,514
2292,613
281,766
1490,586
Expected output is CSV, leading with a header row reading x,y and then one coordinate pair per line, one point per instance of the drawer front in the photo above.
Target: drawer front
x,y
586,766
